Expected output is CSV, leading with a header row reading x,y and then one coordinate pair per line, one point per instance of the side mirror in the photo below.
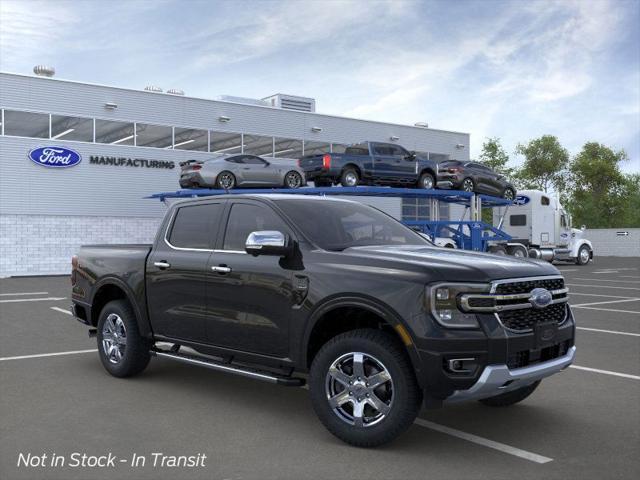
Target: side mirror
x,y
268,242
583,227
411,156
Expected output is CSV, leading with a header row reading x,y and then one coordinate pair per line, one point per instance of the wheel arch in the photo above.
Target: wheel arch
x,y
430,171
353,166
113,288
328,320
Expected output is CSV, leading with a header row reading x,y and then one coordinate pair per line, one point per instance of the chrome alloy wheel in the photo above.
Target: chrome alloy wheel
x,y
114,338
427,182
467,185
508,194
351,179
584,255
226,181
359,389
293,180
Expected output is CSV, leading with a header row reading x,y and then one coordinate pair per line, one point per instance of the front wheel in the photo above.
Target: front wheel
x,y
293,179
510,398
426,181
122,350
363,388
584,255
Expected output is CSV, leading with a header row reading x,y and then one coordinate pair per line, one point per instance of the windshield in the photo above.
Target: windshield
x,y
338,225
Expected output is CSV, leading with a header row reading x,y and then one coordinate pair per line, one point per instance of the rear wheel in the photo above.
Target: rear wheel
x,y
226,180
293,179
468,185
510,398
122,350
519,251
498,250
349,178
584,255
509,194
426,181
363,388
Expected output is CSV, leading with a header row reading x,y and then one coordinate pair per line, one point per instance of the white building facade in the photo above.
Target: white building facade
x,y
129,144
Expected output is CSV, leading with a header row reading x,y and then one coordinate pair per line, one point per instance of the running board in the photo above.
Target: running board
x,y
244,372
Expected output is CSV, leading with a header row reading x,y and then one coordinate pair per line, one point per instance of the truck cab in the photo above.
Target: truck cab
x,y
538,222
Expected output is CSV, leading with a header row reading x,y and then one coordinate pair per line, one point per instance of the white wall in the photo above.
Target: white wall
x,y
607,242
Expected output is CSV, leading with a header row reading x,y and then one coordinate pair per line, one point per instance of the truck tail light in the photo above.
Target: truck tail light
x,y
74,267
326,161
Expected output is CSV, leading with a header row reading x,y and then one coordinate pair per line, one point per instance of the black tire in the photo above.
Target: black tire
x,y
226,180
293,180
468,185
510,398
583,258
404,401
519,251
427,181
348,176
135,354
509,194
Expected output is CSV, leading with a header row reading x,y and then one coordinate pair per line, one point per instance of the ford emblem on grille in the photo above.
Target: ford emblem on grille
x,y
540,297
55,157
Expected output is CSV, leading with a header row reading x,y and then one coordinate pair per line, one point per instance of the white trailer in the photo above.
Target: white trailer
x,y
541,228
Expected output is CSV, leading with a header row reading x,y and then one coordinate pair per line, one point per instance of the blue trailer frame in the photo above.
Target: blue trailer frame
x,y
468,234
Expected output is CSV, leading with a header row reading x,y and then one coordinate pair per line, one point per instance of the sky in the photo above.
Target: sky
x,y
509,69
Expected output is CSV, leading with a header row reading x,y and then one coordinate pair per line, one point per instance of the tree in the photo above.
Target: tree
x,y
495,157
599,194
544,165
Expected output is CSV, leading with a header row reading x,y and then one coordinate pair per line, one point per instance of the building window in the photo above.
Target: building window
x,y
316,148
191,139
227,143
115,133
26,124
287,148
71,128
258,145
156,136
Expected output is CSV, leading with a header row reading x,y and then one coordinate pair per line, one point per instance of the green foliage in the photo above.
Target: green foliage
x,y
495,157
599,195
544,166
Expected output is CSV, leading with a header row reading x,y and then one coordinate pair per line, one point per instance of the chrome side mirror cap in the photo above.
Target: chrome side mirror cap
x,y
267,242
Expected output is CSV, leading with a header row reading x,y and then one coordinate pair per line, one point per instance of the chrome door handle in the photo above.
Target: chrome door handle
x,y
221,269
162,264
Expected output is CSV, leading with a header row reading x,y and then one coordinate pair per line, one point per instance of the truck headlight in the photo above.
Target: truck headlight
x,y
444,303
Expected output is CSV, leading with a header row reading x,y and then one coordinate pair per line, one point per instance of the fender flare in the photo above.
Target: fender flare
x,y
579,244
144,326
371,304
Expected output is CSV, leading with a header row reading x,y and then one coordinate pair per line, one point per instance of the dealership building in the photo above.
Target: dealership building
x,y
129,144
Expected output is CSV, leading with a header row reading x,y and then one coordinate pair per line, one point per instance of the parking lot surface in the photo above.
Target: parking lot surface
x,y
582,423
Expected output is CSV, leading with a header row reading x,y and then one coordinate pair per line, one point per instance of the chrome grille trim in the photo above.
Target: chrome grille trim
x,y
464,301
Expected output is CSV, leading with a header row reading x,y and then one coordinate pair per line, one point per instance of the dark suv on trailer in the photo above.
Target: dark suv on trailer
x,y
275,286
474,177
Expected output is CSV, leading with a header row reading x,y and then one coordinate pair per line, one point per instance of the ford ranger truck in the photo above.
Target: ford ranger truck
x,y
371,163
290,289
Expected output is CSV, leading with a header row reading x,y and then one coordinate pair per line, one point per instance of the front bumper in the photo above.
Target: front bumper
x,y
498,379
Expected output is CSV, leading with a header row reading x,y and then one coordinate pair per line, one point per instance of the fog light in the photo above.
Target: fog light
x,y
444,315
461,365
442,294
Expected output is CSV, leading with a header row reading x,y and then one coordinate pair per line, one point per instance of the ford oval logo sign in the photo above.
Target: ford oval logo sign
x,y
521,200
55,157
540,297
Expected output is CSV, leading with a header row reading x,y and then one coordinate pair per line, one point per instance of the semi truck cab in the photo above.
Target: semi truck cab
x,y
539,225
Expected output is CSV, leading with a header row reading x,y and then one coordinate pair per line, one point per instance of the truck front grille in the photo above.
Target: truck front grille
x,y
515,305
522,320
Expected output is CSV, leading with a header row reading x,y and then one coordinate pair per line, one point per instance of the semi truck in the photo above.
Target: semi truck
x,y
541,228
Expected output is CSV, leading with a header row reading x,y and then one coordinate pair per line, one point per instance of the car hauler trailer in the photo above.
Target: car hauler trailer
x,y
472,234
539,225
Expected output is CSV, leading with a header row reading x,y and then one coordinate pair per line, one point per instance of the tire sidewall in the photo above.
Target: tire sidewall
x,y
136,349
290,172
473,185
343,177
226,173
421,181
579,257
401,376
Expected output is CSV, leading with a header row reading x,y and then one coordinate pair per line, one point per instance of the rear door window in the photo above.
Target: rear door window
x,y
196,226
245,218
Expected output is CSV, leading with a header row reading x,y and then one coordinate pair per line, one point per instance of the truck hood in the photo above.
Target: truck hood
x,y
446,264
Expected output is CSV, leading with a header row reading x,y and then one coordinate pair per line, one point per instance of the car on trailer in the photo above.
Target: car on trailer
x,y
238,171
475,177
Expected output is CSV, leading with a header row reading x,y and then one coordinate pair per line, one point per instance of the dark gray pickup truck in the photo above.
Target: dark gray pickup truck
x,y
291,289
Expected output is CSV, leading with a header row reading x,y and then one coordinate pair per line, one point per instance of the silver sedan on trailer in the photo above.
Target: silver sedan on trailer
x,y
231,171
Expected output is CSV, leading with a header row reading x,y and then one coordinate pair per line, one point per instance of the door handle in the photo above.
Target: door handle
x,y
162,265
221,269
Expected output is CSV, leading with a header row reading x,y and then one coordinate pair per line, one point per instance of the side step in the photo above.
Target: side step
x,y
242,371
